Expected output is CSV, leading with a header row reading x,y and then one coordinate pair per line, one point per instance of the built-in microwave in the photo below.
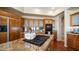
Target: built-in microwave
x,y
3,28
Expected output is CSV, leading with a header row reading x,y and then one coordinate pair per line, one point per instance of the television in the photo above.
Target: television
x,y
3,28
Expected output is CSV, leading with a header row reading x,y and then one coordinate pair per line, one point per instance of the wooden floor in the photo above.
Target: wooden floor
x,y
59,46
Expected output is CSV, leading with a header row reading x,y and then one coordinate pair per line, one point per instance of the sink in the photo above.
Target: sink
x,y
30,36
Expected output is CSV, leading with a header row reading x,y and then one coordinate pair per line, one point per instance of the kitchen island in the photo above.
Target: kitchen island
x,y
20,45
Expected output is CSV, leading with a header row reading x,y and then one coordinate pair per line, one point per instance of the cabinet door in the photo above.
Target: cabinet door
x,y
48,21
3,35
71,40
22,22
14,29
15,22
77,43
71,43
3,21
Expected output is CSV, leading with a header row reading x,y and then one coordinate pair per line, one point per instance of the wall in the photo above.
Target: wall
x,y
57,27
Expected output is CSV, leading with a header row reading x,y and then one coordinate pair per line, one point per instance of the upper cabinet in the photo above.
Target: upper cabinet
x,y
22,22
3,21
74,20
48,21
14,22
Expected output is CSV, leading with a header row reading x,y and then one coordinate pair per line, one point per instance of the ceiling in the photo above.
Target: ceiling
x,y
73,8
50,11
37,11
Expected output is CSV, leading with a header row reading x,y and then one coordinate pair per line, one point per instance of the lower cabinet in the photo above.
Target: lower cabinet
x,y
3,37
77,43
73,41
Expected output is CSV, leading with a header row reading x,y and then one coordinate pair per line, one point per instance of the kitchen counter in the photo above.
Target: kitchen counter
x,y
73,33
20,45
73,40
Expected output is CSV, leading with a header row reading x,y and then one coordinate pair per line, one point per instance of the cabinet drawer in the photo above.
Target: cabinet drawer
x,y
71,36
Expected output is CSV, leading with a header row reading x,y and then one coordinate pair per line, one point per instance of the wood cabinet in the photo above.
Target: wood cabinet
x,y
22,28
3,35
14,22
3,21
77,43
73,41
48,21
22,22
14,26
14,29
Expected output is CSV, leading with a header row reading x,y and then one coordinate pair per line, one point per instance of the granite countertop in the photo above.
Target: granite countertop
x,y
20,45
73,33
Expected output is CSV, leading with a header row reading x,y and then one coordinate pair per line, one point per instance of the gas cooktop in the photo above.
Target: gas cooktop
x,y
38,40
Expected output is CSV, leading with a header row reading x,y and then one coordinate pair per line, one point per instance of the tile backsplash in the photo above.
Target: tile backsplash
x,y
76,30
